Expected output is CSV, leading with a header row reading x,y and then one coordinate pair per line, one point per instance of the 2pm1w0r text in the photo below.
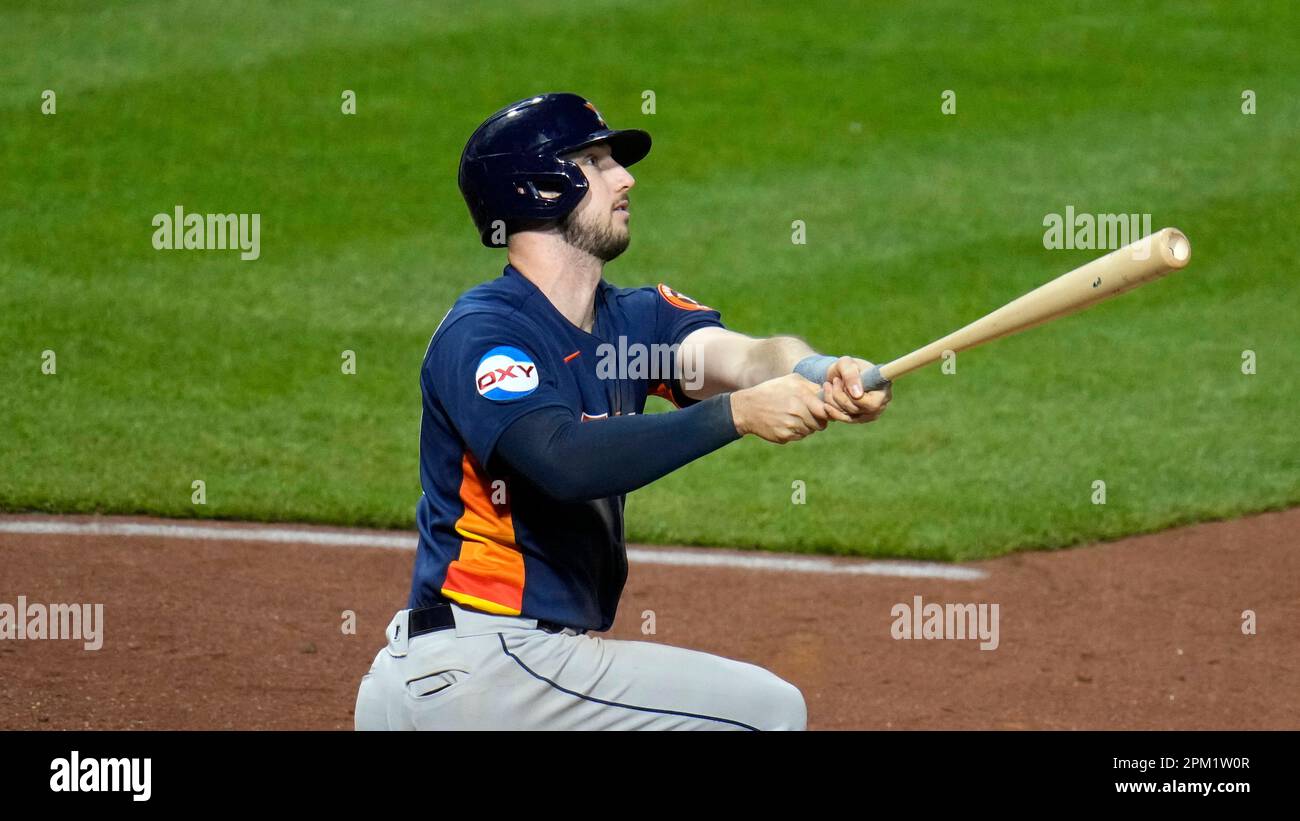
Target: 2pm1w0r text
x,y
1188,763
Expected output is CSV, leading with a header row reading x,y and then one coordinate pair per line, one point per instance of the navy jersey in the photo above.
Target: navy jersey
x,y
489,539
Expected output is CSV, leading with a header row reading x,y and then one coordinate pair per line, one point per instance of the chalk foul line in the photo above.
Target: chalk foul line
x,y
666,556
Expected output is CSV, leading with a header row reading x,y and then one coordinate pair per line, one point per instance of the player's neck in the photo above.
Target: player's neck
x,y
565,275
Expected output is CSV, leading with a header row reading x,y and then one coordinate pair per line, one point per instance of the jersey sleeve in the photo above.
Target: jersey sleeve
x,y
486,373
676,316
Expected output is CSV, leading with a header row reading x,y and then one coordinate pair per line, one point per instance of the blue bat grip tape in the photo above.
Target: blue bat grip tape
x,y
872,380
814,368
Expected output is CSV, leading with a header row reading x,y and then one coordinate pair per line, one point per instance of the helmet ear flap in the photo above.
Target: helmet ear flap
x,y
545,193
551,191
513,189
542,189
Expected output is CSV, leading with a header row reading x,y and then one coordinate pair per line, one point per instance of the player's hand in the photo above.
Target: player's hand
x,y
779,410
843,395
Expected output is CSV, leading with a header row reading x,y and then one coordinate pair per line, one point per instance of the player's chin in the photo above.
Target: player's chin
x,y
620,235
614,244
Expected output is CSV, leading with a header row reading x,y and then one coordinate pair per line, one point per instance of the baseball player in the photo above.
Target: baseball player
x,y
531,437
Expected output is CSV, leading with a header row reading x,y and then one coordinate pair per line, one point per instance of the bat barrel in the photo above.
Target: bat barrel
x,y
1135,264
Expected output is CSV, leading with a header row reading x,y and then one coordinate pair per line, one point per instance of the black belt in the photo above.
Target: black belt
x,y
436,617
423,620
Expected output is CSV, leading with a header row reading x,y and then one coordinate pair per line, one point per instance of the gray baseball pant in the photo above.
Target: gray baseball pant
x,y
505,673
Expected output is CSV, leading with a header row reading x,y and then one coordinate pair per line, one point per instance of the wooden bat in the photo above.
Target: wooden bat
x,y
1135,264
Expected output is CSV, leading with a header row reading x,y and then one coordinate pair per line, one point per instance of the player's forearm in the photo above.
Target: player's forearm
x,y
714,360
772,357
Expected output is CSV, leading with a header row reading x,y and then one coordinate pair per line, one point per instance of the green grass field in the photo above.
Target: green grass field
x,y
176,366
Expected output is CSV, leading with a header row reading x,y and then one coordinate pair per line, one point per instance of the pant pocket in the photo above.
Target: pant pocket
x,y
431,685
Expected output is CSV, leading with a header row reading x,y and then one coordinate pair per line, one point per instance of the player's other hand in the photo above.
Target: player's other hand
x,y
780,410
843,395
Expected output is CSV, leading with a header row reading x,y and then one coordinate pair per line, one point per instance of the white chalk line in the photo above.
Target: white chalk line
x,y
327,538
227,534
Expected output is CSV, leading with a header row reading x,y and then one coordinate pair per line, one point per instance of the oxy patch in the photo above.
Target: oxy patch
x,y
505,373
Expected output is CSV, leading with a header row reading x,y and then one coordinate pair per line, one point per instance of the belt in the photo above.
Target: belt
x,y
422,620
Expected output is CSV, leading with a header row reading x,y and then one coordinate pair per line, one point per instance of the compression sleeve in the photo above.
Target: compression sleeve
x,y
573,461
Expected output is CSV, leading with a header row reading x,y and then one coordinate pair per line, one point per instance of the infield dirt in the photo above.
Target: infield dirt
x,y
1143,633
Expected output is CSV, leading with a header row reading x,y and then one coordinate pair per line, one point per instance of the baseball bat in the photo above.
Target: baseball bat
x,y
1135,264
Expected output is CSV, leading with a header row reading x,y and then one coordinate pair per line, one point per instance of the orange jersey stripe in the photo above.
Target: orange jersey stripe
x,y
489,573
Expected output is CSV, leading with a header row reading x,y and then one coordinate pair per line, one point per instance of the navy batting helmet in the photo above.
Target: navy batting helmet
x,y
515,155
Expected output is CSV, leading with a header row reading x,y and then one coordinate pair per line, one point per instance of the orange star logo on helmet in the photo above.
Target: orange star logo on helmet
x,y
599,118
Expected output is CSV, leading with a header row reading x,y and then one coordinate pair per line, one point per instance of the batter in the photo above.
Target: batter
x,y
528,448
